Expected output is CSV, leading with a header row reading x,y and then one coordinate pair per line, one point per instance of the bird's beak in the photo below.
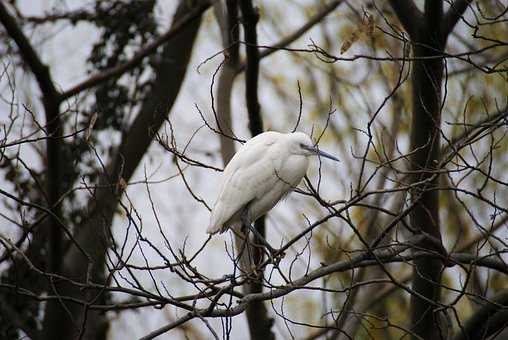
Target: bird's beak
x,y
325,154
322,153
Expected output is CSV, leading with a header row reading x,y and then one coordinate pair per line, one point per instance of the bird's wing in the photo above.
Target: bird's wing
x,y
248,173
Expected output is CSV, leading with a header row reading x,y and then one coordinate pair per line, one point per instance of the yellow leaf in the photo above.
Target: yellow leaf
x,y
349,42
369,26
90,127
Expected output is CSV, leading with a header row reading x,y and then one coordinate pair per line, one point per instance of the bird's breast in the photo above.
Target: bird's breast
x,y
293,169
286,175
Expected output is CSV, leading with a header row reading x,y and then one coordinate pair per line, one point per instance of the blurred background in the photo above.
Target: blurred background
x,y
117,118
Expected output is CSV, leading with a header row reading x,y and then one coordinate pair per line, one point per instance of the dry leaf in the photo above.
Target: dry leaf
x,y
349,42
367,28
369,25
122,184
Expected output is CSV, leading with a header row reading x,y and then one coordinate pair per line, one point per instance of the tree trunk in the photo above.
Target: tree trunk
x,y
425,137
94,234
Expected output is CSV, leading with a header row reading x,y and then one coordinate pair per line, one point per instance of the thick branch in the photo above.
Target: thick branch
x,y
432,28
489,319
50,99
455,12
250,19
30,56
427,75
149,49
296,34
230,36
409,15
260,324
167,328
433,12
367,259
94,231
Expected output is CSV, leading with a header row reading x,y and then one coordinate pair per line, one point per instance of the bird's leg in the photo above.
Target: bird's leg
x,y
245,266
272,253
246,251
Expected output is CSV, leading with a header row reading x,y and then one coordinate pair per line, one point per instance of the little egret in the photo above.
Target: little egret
x,y
263,171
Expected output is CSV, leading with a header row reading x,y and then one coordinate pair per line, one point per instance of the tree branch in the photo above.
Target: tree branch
x,y
427,76
250,19
93,232
230,36
28,53
314,20
260,324
167,328
409,15
452,16
490,318
51,101
433,19
366,259
473,130
147,50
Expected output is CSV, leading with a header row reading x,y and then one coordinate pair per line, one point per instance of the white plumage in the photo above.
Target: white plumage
x,y
265,169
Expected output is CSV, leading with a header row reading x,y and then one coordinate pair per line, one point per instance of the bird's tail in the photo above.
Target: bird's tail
x,y
212,229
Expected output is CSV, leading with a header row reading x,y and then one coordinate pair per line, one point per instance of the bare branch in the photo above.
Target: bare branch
x,y
250,19
147,50
30,56
314,20
167,328
51,101
489,319
409,15
455,12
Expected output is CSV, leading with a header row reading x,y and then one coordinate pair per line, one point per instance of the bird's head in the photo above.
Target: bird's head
x,y
301,144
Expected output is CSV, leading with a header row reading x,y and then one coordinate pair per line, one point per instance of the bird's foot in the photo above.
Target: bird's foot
x,y
275,255
251,275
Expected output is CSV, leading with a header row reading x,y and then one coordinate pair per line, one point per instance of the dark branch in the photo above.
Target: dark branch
x,y
168,327
91,234
50,99
279,46
250,19
28,53
489,319
409,15
457,9
260,324
150,48
433,12
317,18
433,17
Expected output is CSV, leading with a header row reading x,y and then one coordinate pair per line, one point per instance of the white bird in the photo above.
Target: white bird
x,y
263,171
